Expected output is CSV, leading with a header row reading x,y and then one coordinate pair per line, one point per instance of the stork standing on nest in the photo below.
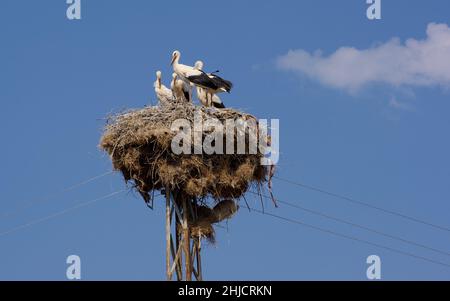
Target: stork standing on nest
x,y
163,93
180,89
207,98
196,76
223,85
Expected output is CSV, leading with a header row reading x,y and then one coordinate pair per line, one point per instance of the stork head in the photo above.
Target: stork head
x,y
198,65
175,55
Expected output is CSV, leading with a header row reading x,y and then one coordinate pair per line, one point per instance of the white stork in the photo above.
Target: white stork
x,y
208,97
180,89
163,93
198,77
222,84
208,101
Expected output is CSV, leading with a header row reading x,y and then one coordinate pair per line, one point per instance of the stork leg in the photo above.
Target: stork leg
x,y
210,96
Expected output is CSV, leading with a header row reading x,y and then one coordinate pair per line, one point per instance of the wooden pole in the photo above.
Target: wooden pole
x,y
168,235
175,265
175,259
179,263
187,240
182,211
178,236
199,259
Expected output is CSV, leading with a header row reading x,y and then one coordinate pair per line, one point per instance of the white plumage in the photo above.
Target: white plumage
x,y
163,93
184,71
180,89
198,77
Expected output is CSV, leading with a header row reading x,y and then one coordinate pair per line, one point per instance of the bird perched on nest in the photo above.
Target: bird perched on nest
x,y
163,93
180,89
196,76
207,98
223,85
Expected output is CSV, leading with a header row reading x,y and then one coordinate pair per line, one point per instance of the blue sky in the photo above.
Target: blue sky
x,y
384,142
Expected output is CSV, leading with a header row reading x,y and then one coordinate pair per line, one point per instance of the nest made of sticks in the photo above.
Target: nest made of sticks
x,y
139,143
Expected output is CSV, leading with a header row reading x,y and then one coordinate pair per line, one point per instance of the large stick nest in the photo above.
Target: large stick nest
x,y
139,143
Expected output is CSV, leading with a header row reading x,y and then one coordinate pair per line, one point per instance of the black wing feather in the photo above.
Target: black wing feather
x,y
203,80
218,105
222,83
186,95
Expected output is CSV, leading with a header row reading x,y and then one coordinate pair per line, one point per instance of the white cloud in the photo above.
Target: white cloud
x,y
414,63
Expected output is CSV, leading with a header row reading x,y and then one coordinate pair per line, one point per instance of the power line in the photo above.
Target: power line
x,y
410,242
88,180
352,238
78,206
27,204
361,203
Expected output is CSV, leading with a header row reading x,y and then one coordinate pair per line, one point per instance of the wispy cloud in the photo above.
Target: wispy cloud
x,y
412,63
396,104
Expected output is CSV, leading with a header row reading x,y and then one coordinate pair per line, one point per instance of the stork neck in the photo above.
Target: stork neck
x,y
176,61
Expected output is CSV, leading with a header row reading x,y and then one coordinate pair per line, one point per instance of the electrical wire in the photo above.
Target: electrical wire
x,y
298,222
365,204
27,204
62,212
343,221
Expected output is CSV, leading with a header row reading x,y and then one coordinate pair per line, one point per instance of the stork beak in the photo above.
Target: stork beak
x,y
173,60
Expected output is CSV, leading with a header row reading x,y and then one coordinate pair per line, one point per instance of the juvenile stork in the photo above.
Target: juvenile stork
x,y
163,93
180,89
